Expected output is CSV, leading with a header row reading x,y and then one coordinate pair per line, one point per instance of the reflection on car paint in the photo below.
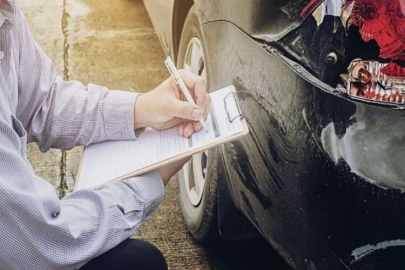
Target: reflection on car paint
x,y
370,151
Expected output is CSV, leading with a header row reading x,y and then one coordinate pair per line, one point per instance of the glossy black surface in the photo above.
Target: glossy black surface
x,y
320,176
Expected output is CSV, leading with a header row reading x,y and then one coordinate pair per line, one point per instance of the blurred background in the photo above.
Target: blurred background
x,y
113,43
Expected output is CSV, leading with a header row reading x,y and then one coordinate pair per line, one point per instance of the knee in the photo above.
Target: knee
x,y
150,256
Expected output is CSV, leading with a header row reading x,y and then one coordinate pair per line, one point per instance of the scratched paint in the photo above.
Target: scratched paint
x,y
366,250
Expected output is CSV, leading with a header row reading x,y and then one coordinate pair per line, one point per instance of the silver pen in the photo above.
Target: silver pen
x,y
179,81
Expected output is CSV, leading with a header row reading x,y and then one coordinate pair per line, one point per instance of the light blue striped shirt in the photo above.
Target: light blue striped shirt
x,y
37,230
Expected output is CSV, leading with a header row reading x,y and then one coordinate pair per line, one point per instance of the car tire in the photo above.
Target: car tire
x,y
200,217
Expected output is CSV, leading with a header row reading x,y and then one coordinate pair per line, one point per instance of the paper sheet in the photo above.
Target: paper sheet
x,y
106,161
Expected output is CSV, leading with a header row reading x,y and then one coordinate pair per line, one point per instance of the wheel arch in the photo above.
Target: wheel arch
x,y
232,223
180,11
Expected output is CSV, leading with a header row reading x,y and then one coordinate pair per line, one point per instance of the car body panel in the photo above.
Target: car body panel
x,y
267,166
161,13
319,175
269,18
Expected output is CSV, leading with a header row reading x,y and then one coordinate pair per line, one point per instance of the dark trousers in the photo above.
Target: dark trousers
x,y
131,254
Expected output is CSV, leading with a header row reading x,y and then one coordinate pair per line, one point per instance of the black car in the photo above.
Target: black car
x,y
321,85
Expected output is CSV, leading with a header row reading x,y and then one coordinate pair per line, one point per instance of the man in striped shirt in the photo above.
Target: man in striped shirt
x,y
87,229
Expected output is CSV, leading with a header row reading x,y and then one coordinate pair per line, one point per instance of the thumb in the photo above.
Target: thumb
x,y
185,110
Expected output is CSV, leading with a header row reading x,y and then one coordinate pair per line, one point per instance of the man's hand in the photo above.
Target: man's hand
x,y
165,106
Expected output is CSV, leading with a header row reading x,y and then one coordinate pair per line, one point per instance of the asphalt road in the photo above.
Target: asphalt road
x,y
113,43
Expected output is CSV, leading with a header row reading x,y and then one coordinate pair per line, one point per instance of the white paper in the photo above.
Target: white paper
x,y
106,161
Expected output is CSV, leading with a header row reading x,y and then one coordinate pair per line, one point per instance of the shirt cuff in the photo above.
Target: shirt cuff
x,y
150,188
118,115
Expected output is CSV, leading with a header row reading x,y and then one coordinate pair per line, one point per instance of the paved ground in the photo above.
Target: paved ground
x,y
112,43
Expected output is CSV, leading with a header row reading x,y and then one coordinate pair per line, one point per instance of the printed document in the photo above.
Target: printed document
x,y
106,161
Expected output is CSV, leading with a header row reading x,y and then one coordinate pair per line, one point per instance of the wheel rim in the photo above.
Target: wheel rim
x,y
195,171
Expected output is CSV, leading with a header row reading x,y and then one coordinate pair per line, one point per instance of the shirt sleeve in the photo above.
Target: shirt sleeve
x,y
39,231
62,114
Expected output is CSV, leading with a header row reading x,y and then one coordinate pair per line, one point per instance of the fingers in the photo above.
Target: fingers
x,y
196,126
187,129
180,128
184,110
197,85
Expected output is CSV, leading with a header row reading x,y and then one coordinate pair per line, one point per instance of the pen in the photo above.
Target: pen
x,y
179,81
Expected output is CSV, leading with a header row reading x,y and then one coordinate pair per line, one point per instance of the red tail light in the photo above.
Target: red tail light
x,y
367,81
381,80
382,21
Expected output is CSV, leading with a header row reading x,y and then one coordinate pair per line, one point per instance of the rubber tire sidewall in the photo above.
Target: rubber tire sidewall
x,y
201,220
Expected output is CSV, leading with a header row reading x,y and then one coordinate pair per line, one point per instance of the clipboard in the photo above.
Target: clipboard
x,y
229,100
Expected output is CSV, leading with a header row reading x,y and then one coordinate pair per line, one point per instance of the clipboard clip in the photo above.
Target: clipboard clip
x,y
235,98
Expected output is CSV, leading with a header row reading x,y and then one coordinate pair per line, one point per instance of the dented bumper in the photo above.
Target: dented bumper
x,y
320,176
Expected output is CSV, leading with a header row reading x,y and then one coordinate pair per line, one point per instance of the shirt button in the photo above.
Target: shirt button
x,y
1,55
